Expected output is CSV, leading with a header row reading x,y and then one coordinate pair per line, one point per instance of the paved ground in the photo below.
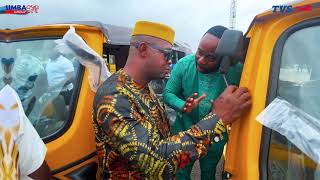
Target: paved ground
x,y
195,173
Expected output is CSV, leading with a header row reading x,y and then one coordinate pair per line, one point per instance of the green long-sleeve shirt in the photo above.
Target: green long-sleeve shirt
x,y
186,80
183,82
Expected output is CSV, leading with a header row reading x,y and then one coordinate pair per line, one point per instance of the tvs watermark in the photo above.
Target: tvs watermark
x,y
289,8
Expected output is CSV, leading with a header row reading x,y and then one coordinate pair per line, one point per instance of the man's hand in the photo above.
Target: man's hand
x,y
192,103
231,103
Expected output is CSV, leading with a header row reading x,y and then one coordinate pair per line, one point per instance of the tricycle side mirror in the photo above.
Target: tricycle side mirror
x,y
230,49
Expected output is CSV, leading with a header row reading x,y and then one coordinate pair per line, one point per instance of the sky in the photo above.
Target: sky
x,y
189,18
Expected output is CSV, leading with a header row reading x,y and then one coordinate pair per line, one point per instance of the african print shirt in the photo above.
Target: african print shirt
x,y
133,137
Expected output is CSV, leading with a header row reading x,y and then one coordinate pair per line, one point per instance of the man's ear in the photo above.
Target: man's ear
x,y
143,49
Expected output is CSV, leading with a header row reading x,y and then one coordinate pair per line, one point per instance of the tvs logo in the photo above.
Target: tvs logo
x,y
289,9
19,9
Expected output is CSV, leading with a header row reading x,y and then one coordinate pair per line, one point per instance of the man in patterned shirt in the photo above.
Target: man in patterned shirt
x,y
132,131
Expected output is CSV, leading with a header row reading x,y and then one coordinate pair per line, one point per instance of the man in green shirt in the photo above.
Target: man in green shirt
x,y
193,75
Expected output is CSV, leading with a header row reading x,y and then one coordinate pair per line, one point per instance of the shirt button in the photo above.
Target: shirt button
x,y
216,138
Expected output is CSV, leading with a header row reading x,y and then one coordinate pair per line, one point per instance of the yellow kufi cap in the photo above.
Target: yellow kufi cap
x,y
153,29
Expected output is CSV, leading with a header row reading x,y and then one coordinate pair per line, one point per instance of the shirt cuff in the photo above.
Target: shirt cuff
x,y
209,122
220,129
213,122
179,104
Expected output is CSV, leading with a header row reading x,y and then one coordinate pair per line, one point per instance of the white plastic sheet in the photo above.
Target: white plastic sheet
x,y
72,43
297,126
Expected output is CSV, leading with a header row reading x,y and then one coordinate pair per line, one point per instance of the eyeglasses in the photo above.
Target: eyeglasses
x,y
168,53
209,57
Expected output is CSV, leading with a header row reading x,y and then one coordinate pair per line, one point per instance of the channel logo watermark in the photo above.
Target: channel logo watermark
x,y
289,8
19,9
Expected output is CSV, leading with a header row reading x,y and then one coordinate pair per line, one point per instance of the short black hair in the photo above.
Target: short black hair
x,y
217,31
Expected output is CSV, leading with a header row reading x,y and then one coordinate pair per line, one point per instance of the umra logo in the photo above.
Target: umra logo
x,y
290,8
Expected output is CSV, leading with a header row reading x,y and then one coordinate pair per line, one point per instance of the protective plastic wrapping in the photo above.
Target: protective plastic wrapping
x,y
72,43
297,126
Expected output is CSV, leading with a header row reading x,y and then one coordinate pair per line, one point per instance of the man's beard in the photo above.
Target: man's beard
x,y
206,70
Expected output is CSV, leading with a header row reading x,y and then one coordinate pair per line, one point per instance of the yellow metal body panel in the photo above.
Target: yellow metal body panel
x,y
78,141
242,153
112,68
